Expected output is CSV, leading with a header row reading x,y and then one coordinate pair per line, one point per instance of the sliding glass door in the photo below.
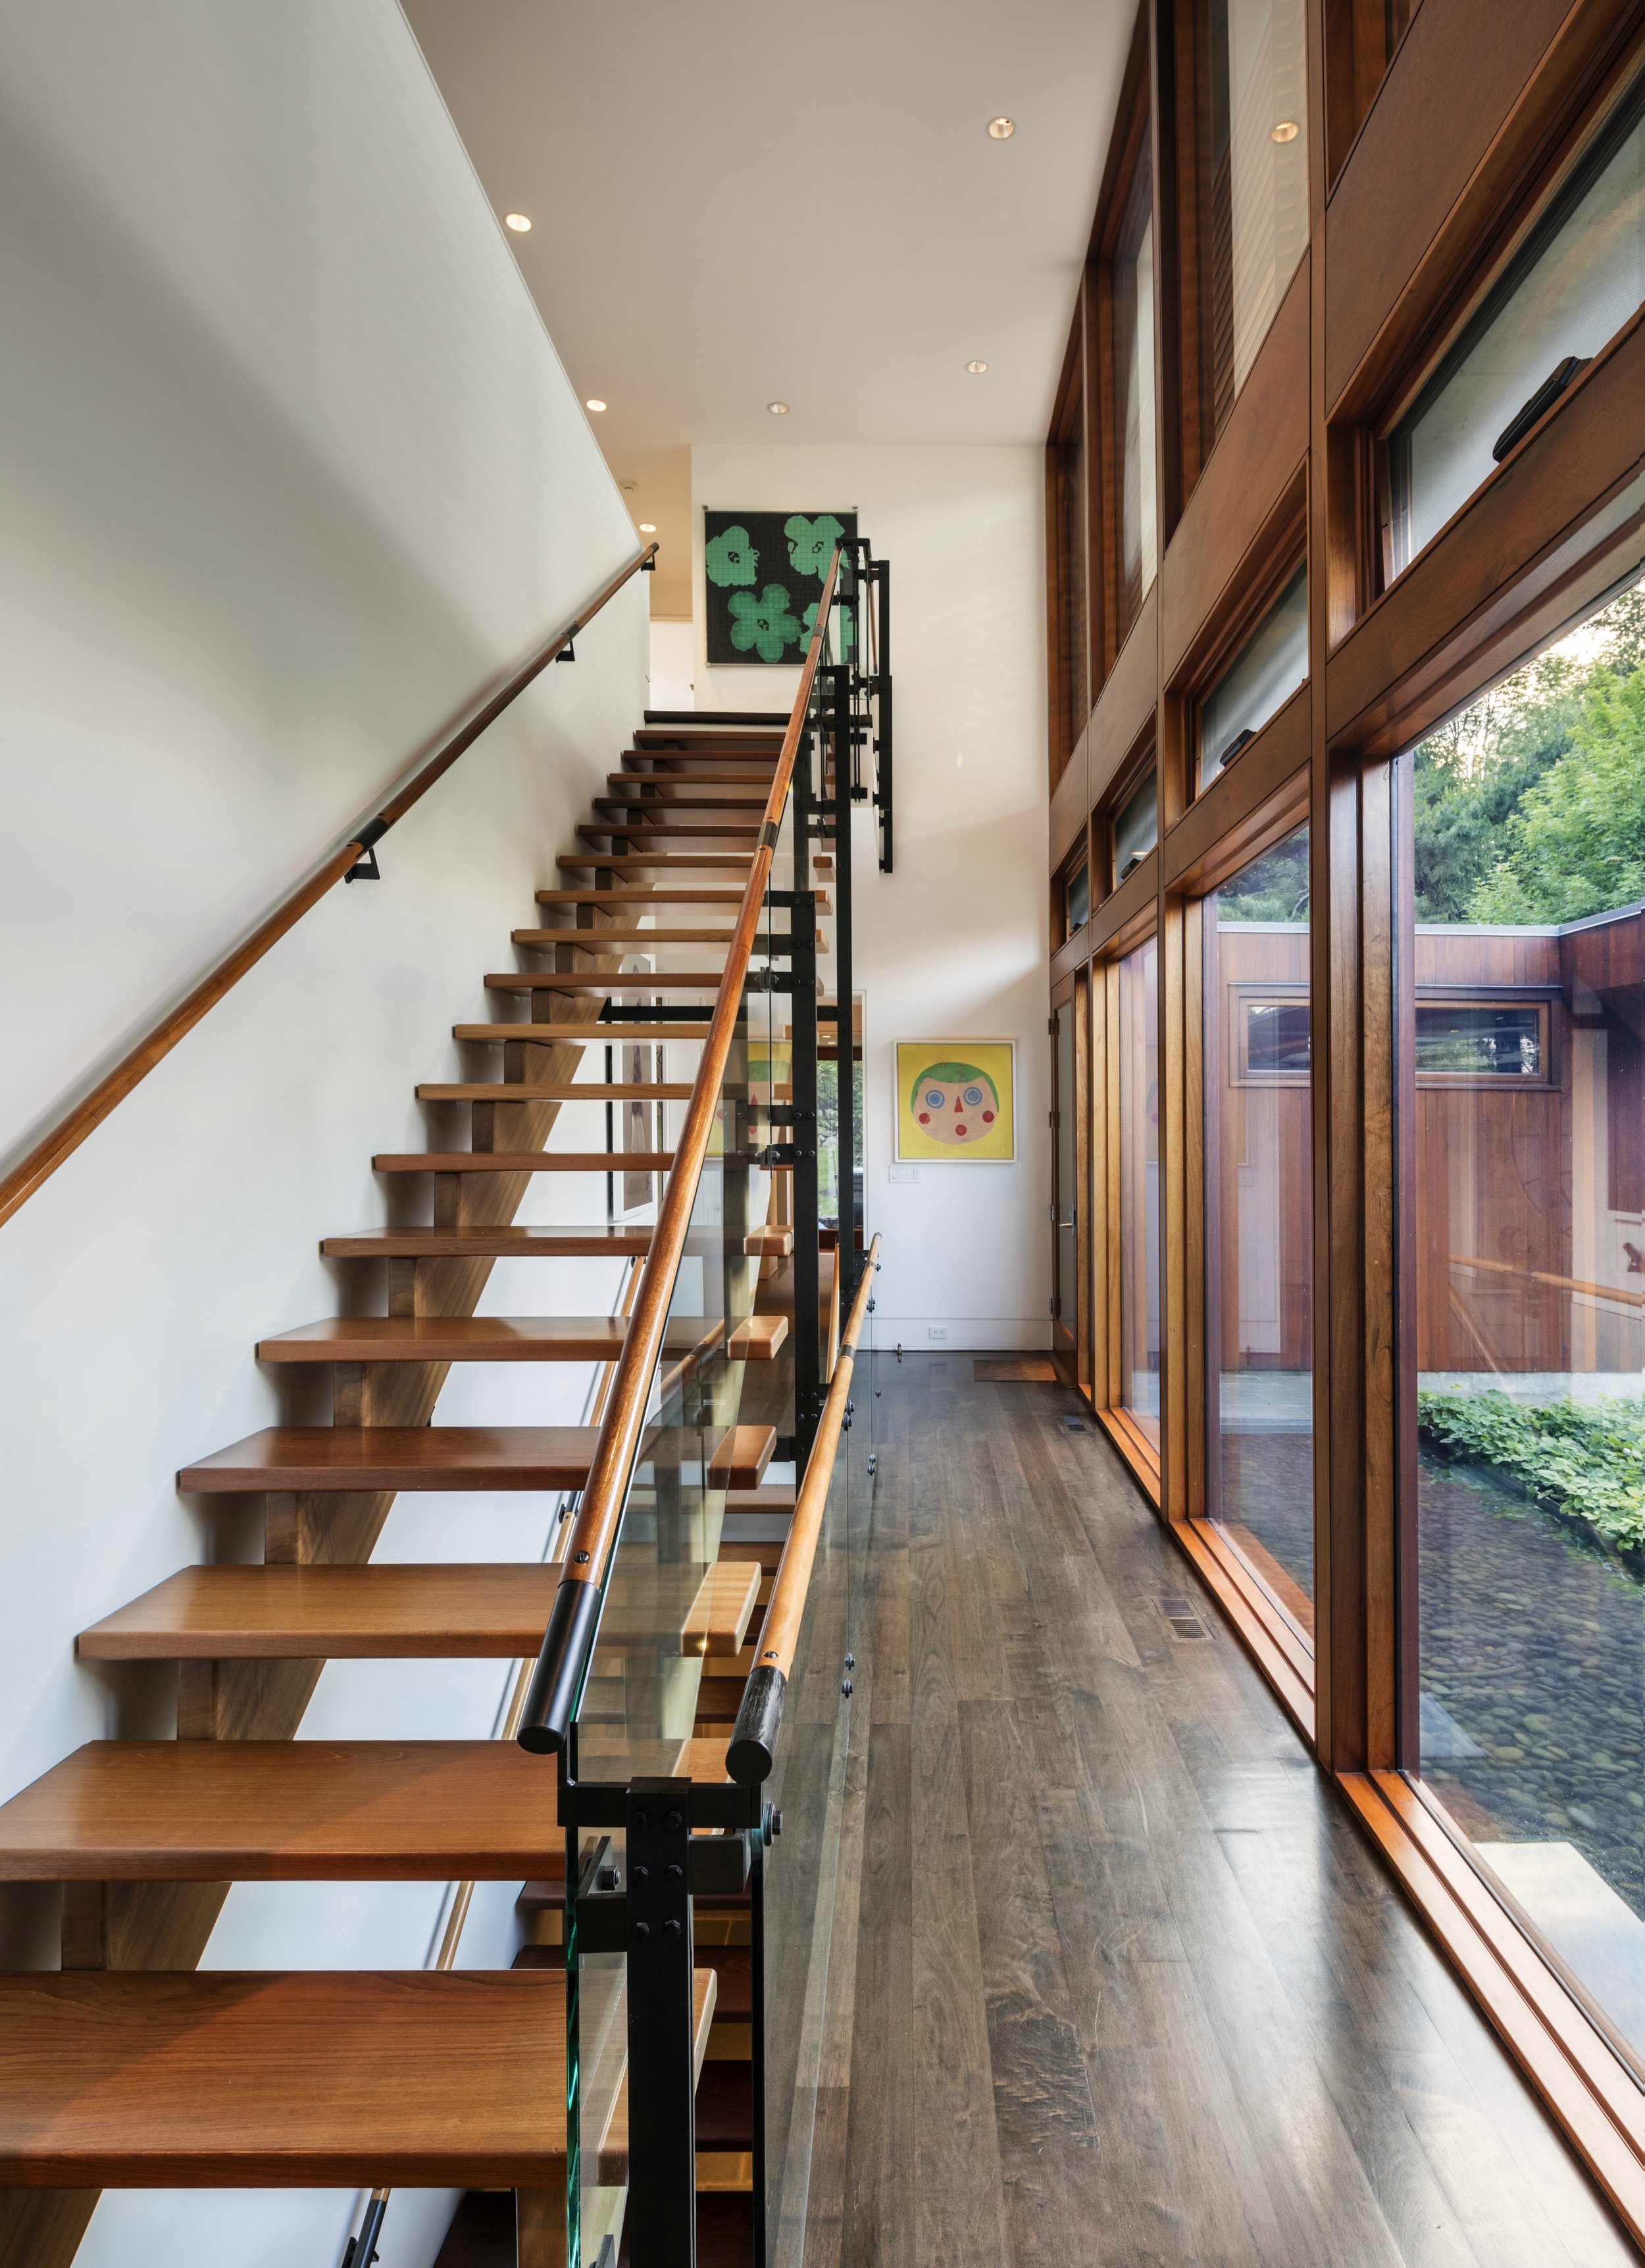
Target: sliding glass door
x,y
1524,1060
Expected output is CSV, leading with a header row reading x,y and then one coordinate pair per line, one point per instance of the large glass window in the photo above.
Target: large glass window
x,y
1527,1086
1139,1189
1254,181
1135,827
1070,684
1133,273
1259,1289
1258,683
1575,282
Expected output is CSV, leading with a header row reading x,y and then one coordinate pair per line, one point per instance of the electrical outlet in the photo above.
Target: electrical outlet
x,y
938,1332
902,1173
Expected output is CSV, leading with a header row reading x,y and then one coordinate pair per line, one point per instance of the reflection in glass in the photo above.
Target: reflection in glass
x,y
1078,900
1529,1195
1480,1042
1575,282
1261,678
1136,828
1259,1221
1254,192
1139,1189
1134,392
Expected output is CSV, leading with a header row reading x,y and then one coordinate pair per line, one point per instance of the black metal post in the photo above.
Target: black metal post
x,y
883,771
845,1021
662,2066
800,1117
757,2029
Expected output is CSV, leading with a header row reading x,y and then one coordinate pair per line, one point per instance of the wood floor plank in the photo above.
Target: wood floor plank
x,y
1128,1984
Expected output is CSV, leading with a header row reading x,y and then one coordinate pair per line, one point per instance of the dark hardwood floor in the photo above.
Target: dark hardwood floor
x,y
1113,1978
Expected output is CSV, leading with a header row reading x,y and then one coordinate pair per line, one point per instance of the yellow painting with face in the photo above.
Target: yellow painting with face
x,y
955,1102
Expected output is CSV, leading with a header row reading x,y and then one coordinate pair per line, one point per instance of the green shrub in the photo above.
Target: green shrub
x,y
1586,1460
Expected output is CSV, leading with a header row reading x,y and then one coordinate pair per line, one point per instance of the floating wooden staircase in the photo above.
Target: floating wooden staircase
x,y
130,2067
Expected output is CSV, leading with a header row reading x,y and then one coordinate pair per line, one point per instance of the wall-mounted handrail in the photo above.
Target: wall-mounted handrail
x,y
753,1744
85,1116
575,1614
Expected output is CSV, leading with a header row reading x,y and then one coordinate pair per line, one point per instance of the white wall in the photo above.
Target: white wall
x,y
290,469
673,654
954,943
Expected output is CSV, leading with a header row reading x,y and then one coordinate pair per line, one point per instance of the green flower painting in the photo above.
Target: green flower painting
x,y
811,542
808,623
761,573
763,625
731,558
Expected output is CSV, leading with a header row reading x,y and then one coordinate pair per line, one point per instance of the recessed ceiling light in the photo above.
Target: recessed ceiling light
x,y
592,404
1002,129
648,527
976,368
1286,130
778,409
520,223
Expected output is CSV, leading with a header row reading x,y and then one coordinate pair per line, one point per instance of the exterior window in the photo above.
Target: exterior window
x,y
1136,828
1077,901
1259,1228
1139,1190
1134,393
1069,592
1256,180
1264,675
1527,1092
1575,282
1472,1040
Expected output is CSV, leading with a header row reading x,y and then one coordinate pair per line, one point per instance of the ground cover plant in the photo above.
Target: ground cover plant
x,y
1586,1460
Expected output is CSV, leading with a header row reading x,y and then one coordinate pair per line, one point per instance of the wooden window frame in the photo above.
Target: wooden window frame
x,y
1577,107
1130,145
1533,550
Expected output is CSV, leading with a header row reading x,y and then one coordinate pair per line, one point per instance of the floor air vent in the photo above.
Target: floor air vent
x,y
1182,1619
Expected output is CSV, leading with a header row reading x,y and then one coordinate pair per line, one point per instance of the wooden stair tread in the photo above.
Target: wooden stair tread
x,y
552,1035
736,797
758,1339
746,1450
472,1339
639,821
556,1091
513,1242
644,980
315,2079
314,1459
629,940
523,1162
654,897
509,1240
633,862
373,1611
221,1811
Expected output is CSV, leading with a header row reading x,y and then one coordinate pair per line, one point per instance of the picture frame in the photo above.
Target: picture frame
x,y
956,1103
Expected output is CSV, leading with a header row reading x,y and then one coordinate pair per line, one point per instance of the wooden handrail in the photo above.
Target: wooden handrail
x,y
754,1743
88,1114
575,1616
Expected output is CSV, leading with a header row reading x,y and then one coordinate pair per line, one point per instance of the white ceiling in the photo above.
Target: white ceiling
x,y
733,203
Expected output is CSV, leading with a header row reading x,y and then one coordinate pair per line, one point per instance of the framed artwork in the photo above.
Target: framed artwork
x,y
763,580
956,1102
